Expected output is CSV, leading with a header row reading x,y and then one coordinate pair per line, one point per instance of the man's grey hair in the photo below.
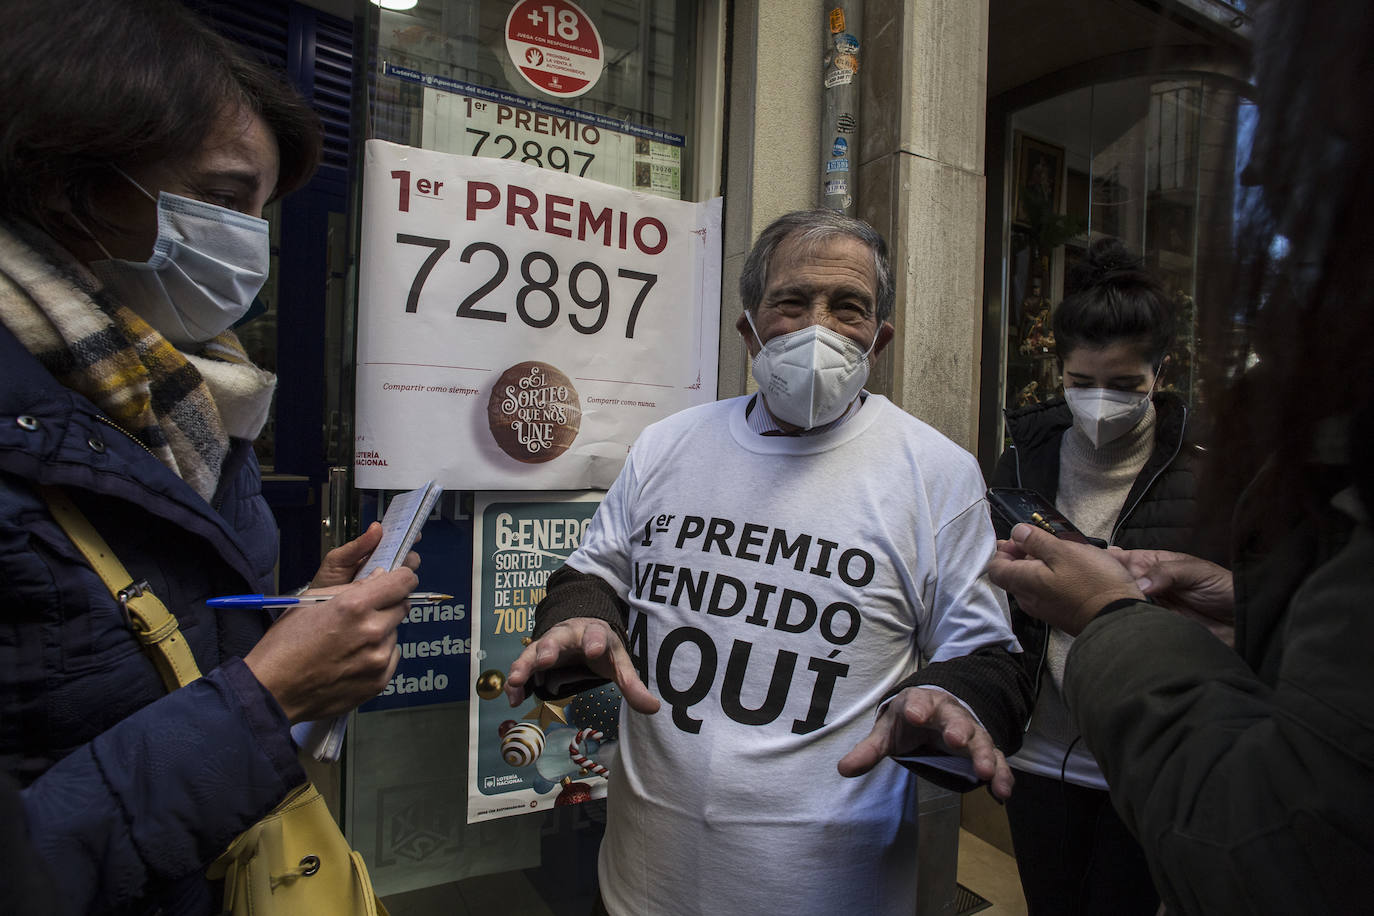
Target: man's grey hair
x,y
813,228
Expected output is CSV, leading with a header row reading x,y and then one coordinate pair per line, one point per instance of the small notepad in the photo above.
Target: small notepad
x,y
405,516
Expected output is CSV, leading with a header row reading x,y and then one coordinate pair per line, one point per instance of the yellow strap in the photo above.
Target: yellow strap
x,y
154,625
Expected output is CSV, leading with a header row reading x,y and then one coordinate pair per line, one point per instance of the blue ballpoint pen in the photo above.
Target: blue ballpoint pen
x,y
260,601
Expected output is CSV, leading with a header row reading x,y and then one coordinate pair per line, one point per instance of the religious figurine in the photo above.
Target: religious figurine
x,y
1036,333
1038,339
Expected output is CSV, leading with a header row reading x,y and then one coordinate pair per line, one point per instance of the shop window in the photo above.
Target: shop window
x,y
441,76
1147,160
445,79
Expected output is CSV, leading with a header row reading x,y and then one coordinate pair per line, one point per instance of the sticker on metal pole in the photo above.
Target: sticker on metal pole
x,y
555,46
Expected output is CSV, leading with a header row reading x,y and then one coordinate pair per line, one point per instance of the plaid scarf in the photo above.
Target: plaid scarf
x,y
182,407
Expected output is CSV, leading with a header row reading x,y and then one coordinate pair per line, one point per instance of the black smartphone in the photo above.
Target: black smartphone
x,y
1028,506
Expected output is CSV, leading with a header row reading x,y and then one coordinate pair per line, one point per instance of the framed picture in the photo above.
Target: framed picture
x,y
1169,226
1111,204
1073,256
1039,175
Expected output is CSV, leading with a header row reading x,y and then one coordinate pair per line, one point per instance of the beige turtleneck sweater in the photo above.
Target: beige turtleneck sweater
x,y
1093,486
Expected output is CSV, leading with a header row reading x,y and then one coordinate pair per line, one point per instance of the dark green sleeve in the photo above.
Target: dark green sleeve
x,y
1246,796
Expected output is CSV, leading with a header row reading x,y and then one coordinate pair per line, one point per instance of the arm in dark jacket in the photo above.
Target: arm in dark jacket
x,y
1246,796
157,797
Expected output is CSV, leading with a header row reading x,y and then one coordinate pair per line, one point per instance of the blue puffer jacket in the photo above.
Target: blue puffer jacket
x,y
129,791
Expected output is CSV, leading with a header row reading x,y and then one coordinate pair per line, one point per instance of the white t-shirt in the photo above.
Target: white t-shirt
x,y
779,587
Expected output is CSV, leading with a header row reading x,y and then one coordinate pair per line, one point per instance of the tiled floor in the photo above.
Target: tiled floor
x,y
991,874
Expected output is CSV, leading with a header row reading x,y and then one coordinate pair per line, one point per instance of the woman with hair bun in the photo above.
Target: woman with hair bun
x,y
1113,455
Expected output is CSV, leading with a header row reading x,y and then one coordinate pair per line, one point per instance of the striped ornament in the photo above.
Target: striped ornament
x,y
523,744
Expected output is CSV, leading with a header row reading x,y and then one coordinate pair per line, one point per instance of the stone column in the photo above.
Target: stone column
x,y
921,184
772,156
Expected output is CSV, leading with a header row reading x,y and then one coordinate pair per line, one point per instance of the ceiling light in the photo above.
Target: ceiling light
x,y
396,4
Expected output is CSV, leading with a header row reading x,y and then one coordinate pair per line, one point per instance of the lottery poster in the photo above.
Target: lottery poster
x,y
540,754
469,123
518,327
476,120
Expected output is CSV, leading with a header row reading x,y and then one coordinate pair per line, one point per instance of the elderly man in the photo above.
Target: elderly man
x,y
772,569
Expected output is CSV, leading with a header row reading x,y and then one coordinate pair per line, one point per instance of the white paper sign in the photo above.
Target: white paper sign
x,y
459,123
518,327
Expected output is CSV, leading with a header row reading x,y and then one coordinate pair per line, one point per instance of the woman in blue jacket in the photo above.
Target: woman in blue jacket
x,y
1113,455
136,154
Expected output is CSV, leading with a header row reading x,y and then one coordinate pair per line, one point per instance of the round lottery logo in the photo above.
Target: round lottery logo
x,y
555,46
534,412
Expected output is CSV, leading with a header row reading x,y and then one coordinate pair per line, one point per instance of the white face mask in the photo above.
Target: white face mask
x,y
1104,414
809,376
208,264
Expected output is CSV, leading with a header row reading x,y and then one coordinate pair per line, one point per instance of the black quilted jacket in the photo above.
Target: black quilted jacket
x,y
1160,509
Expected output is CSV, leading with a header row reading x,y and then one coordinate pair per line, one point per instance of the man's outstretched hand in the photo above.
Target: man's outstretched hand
x,y
920,717
584,641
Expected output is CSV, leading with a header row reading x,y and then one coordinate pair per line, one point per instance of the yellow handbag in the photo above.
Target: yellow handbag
x,y
293,862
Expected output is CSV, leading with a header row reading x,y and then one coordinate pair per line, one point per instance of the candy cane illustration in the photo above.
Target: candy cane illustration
x,y
582,760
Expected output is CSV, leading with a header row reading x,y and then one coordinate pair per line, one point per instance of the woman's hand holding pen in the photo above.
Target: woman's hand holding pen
x,y
324,659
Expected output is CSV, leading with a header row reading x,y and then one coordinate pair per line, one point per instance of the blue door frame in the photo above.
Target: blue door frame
x,y
314,51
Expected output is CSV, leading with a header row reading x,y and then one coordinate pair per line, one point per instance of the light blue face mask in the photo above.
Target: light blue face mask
x,y
208,264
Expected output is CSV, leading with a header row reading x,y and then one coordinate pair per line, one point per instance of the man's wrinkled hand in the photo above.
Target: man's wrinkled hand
x,y
584,641
920,717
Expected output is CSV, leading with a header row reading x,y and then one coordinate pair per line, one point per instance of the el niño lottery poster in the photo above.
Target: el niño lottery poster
x,y
518,327
538,755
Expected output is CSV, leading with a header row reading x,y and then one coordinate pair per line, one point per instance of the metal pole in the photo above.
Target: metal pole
x,y
840,122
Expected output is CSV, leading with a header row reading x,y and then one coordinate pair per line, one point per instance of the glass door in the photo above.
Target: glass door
x,y
442,76
1136,159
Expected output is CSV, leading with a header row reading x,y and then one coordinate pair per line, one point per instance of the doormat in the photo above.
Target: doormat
x,y
966,901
